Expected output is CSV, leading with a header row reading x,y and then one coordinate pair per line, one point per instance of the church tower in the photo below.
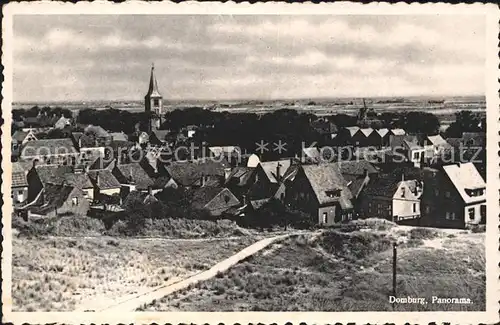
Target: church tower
x,y
153,103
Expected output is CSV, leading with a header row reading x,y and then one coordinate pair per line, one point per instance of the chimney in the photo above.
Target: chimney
x,y
244,198
150,190
97,179
278,169
402,176
202,180
365,172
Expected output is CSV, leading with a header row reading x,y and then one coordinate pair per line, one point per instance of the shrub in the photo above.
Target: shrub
x,y
478,228
422,233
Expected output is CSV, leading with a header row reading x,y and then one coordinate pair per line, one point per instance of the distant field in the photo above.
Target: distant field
x,y
346,271
444,109
63,274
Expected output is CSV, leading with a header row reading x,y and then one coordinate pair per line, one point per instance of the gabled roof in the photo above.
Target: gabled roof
x,y
398,131
99,163
352,130
54,197
324,178
144,197
367,131
132,173
476,138
210,195
465,176
48,147
63,121
20,135
383,132
104,179
242,173
57,174
397,141
323,126
412,145
382,186
270,169
311,153
19,173
437,140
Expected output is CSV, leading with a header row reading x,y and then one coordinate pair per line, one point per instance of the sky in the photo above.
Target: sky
x,y
109,57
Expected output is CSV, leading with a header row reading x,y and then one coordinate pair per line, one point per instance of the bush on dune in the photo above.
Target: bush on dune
x,y
354,245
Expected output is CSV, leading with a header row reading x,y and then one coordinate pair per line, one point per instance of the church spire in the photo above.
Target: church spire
x,y
153,84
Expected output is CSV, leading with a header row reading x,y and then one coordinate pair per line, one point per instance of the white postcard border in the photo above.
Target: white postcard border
x,y
491,13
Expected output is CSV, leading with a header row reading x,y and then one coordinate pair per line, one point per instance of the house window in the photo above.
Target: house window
x,y
483,211
325,217
74,201
447,194
428,209
450,215
156,102
472,213
414,207
416,155
436,192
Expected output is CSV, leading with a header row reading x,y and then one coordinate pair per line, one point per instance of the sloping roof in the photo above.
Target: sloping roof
x,y
437,140
132,173
270,168
19,173
325,177
62,121
56,174
77,136
203,195
104,179
214,199
257,204
187,173
97,130
144,197
398,140
454,142
54,197
367,131
160,135
48,147
352,130
19,135
383,132
242,173
382,186
398,131
99,163
119,136
355,167
412,145
311,153
465,176
323,126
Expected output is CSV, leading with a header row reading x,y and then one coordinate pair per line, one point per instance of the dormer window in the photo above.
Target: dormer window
x,y
333,193
474,192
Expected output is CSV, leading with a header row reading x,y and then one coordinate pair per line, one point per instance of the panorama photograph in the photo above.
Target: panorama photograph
x,y
248,163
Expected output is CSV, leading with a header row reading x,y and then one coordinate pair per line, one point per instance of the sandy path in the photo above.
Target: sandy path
x,y
130,304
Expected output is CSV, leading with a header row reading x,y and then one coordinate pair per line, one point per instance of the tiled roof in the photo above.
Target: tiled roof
x,y
19,173
54,197
99,163
355,167
311,153
19,135
324,178
132,173
397,141
412,145
242,173
270,168
56,174
465,176
47,147
188,173
382,186
205,195
104,179
475,138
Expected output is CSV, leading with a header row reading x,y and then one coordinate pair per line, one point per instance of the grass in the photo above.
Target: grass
x,y
64,274
346,271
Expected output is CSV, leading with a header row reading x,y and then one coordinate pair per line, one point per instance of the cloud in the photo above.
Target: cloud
x,y
108,57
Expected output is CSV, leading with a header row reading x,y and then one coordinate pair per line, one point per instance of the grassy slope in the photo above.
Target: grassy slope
x,y
344,272
60,274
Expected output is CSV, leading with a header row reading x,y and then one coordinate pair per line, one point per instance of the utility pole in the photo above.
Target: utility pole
x,y
394,259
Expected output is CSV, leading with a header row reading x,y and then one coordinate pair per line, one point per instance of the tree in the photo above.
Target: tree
x,y
465,121
420,123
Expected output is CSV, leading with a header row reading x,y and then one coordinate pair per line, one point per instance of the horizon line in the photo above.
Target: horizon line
x,y
250,99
